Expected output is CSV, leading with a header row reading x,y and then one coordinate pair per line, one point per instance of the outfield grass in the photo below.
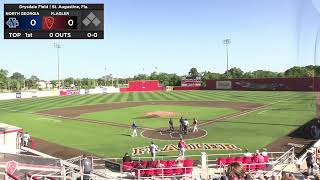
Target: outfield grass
x,y
36,104
138,114
287,112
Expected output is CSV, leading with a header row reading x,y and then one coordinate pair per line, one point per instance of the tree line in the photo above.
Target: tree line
x,y
17,81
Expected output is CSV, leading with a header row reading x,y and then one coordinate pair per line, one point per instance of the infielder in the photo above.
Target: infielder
x,y
195,124
171,128
134,130
153,149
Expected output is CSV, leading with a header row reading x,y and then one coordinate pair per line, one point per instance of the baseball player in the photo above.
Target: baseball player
x,y
171,128
153,149
134,130
181,124
195,124
182,147
185,126
25,138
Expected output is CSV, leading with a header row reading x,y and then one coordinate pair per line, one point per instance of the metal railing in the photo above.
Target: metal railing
x,y
285,158
137,158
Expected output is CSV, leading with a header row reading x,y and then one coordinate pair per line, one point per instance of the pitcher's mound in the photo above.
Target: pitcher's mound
x,y
160,114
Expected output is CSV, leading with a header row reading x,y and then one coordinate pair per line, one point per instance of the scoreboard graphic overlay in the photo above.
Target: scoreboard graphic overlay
x,y
53,21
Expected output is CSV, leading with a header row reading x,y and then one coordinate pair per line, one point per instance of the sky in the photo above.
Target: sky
x,y
175,35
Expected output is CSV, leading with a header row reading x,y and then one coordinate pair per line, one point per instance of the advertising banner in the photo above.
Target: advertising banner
x,y
223,85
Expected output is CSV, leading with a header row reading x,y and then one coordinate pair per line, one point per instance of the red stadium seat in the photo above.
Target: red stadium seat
x,y
149,172
164,162
261,166
142,173
154,164
247,160
126,166
168,172
266,159
239,159
221,161
134,163
188,163
158,172
188,170
177,171
170,163
230,160
144,163
254,159
251,167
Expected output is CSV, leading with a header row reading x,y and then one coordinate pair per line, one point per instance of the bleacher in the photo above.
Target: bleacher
x,y
167,170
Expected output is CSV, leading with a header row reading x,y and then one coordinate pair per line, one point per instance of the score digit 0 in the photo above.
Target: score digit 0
x,y
70,22
33,22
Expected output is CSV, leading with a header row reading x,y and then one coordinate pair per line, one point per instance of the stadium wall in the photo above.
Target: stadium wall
x,y
143,85
266,84
185,88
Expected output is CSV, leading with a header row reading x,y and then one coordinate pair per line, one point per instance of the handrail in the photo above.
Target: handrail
x,y
12,176
166,157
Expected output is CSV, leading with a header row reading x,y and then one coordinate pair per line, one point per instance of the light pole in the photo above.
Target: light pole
x,y
58,46
105,77
226,42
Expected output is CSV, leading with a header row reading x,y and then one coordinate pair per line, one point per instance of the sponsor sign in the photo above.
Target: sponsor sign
x,y
69,92
223,85
18,95
190,147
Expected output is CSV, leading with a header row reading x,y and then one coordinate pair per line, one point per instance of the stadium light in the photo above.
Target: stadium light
x,y
58,46
105,77
227,42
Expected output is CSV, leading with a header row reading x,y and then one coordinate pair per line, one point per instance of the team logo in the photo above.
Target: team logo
x,y
12,23
11,167
49,21
190,147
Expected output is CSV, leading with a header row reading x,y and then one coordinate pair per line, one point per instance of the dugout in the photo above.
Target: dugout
x,y
9,138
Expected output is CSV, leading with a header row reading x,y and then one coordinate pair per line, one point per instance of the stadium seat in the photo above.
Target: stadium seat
x,y
266,159
149,172
221,161
251,167
134,163
254,159
188,170
126,166
154,164
230,160
239,159
142,173
247,160
177,171
164,162
144,163
167,172
188,163
261,166
170,163
158,172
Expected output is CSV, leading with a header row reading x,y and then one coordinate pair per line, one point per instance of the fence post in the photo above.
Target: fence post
x,y
203,160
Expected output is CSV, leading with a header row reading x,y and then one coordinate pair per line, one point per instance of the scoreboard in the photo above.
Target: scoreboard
x,y
53,21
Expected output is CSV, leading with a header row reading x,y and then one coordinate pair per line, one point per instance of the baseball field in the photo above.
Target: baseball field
x,y
100,124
